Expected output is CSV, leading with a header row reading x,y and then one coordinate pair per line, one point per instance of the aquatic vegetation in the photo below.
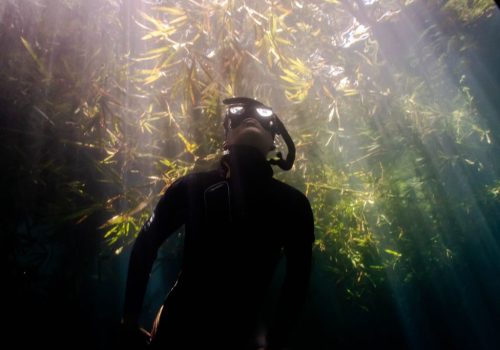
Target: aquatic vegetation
x,y
107,102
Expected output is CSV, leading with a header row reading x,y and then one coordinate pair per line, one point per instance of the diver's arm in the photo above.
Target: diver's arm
x,y
168,216
298,254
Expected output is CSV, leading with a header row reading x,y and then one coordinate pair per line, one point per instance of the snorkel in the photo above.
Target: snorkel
x,y
285,164
241,107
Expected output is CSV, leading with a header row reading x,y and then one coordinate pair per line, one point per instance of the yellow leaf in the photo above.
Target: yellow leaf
x,y
178,20
290,73
190,147
392,252
283,41
288,79
117,219
350,92
176,11
158,50
39,63
157,23
139,207
152,78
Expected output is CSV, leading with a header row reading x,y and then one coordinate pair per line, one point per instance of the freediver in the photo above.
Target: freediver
x,y
239,221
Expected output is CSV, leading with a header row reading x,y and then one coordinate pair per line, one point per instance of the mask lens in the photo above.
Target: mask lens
x,y
236,110
264,112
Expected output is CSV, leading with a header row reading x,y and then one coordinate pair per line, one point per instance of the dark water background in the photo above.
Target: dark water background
x,y
63,288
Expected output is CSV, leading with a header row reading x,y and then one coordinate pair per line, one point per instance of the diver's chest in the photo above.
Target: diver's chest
x,y
246,207
252,220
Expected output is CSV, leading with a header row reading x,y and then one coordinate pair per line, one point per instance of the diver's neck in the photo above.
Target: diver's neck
x,y
236,151
246,161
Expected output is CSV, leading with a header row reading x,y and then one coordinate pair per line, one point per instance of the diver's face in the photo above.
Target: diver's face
x,y
250,132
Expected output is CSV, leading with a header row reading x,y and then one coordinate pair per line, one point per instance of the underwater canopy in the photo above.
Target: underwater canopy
x,y
393,106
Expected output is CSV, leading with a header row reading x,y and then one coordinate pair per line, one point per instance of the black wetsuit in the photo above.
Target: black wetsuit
x,y
238,221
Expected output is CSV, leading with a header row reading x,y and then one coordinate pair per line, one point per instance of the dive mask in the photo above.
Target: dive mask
x,y
249,108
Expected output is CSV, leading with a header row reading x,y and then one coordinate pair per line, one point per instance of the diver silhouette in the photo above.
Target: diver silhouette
x,y
239,221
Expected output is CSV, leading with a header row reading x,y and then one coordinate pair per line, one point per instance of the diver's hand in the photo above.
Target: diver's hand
x,y
133,337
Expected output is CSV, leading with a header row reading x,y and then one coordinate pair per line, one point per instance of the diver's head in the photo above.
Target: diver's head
x,y
249,122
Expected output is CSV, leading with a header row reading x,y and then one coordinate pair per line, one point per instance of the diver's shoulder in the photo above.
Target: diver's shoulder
x,y
202,174
202,177
289,190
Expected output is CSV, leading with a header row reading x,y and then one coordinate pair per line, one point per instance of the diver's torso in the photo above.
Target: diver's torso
x,y
234,235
